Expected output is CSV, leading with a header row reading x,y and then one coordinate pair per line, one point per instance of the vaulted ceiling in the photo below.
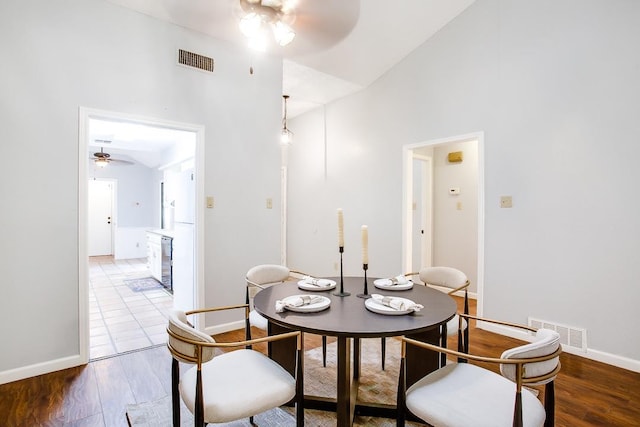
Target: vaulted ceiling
x,y
341,46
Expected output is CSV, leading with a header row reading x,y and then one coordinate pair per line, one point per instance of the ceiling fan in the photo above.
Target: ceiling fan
x,y
102,159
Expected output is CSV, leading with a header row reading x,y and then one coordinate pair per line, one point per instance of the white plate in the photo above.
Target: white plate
x,y
386,284
309,308
309,287
376,307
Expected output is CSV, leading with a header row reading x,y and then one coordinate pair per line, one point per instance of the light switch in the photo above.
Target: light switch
x,y
269,203
505,202
210,202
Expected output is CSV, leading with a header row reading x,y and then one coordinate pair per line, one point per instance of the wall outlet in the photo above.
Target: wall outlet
x,y
505,202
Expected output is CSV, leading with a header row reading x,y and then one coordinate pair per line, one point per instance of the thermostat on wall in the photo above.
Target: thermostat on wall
x,y
454,190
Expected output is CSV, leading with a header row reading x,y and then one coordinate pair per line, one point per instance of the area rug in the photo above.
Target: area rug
x,y
158,414
376,386
143,284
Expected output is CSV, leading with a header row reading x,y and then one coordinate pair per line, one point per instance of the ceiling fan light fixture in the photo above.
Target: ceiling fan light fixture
x,y
101,163
250,25
260,14
283,33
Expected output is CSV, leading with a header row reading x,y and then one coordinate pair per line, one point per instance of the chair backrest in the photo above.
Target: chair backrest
x,y
447,277
182,350
546,342
265,274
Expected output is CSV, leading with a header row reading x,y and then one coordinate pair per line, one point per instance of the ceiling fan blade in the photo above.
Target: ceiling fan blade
x,y
319,26
121,162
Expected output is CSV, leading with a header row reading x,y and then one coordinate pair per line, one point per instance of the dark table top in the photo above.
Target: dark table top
x,y
348,316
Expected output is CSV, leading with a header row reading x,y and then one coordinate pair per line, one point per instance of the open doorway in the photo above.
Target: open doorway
x,y
443,210
127,295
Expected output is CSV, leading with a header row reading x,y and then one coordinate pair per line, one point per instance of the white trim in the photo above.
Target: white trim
x,y
83,249
283,214
597,355
42,368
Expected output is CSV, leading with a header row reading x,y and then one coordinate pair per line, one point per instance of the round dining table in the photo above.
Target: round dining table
x,y
347,319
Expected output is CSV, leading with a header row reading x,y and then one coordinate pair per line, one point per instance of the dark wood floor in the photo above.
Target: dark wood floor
x,y
588,393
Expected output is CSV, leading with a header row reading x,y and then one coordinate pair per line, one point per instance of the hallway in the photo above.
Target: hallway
x,y
121,319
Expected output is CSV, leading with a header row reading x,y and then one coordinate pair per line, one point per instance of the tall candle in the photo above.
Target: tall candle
x,y
340,229
365,244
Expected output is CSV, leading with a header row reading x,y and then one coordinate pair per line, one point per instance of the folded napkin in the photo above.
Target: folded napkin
x,y
321,283
299,301
399,304
399,280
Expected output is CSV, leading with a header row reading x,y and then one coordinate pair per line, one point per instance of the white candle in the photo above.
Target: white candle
x,y
340,229
365,244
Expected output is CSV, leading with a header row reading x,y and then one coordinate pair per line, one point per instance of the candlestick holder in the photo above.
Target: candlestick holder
x,y
365,294
342,293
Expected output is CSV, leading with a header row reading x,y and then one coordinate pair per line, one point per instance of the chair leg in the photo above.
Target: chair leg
x,y
443,343
383,343
251,420
324,351
517,411
175,393
199,403
549,404
400,398
299,389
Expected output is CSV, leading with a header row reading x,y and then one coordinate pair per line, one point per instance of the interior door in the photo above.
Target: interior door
x,y
422,223
100,217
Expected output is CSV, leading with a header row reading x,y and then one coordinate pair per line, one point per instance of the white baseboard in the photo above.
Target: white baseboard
x,y
597,355
40,369
225,327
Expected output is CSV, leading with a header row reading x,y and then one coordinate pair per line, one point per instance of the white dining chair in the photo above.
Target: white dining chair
x,y
221,387
451,280
465,394
260,277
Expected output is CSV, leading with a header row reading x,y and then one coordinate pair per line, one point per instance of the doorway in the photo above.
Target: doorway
x,y
141,210
443,209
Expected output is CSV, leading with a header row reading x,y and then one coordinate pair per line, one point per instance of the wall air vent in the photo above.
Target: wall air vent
x,y
569,335
195,60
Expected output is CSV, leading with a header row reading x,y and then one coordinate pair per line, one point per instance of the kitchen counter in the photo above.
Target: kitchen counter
x,y
163,232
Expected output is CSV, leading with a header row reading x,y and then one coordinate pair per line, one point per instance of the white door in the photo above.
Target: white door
x,y
422,212
100,217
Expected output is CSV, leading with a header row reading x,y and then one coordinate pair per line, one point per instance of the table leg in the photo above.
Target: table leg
x,y
283,351
356,358
344,407
420,361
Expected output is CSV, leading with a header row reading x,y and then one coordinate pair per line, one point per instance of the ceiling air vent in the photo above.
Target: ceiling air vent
x,y
194,60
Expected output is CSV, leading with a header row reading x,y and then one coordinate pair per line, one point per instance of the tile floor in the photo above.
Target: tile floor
x,y
122,320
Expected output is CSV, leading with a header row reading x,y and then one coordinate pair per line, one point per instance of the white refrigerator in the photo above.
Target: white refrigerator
x,y
184,241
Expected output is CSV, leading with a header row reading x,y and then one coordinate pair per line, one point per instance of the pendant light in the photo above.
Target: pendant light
x,y
286,136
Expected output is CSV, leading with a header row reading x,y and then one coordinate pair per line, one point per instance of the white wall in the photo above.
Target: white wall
x,y
138,193
62,55
553,85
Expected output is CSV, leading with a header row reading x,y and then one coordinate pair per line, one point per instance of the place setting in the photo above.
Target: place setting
x,y
303,303
398,283
391,305
314,284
